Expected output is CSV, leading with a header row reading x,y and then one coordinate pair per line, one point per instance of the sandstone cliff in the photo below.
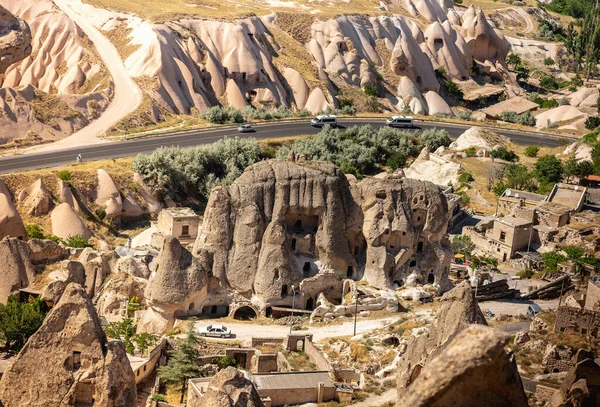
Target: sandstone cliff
x,y
69,362
15,39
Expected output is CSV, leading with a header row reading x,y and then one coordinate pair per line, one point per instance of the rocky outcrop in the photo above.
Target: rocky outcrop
x,y
581,386
113,297
46,251
98,265
11,223
15,39
36,199
458,310
473,370
69,361
66,223
17,269
69,272
65,195
229,387
108,197
177,287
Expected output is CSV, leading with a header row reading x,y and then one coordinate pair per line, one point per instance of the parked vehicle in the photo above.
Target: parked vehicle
x,y
322,120
218,331
400,121
489,313
532,310
245,128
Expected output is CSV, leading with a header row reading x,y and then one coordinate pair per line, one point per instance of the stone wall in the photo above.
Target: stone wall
x,y
577,320
291,396
266,364
143,371
544,393
257,342
316,357
282,363
592,297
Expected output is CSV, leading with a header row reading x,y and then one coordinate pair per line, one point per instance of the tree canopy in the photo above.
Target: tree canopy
x,y
18,321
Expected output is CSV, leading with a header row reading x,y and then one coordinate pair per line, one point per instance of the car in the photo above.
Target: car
x,y
245,128
323,120
218,331
400,121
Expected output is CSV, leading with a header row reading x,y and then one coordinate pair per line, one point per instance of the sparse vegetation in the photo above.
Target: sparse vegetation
x,y
78,242
34,231
525,119
531,151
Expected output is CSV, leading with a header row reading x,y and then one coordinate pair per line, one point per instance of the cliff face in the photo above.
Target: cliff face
x,y
15,39
282,222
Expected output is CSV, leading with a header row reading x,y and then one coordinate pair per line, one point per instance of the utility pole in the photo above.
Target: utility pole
x,y
293,304
355,311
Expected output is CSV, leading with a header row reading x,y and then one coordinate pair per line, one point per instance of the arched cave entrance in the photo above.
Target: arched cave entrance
x,y
244,313
268,311
310,304
430,278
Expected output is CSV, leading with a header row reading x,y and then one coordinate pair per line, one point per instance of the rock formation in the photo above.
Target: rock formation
x,y
177,287
98,266
46,251
581,386
115,294
65,195
108,197
15,39
473,370
69,272
66,223
11,223
69,361
229,387
36,199
283,223
458,310
17,269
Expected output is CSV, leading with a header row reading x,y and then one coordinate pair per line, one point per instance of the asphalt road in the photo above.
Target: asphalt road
x,y
130,148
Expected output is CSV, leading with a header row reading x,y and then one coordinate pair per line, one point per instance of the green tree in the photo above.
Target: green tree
x,y
18,321
548,170
551,261
514,60
123,331
144,341
549,61
462,244
184,361
518,177
570,168
584,168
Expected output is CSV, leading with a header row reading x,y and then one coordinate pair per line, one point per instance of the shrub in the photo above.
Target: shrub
x,y
531,151
503,154
158,397
65,175
526,273
546,103
303,113
34,231
549,61
453,89
434,138
548,169
465,178
348,168
548,82
225,361
101,213
370,90
464,115
55,239
440,73
78,242
592,122
396,161
471,151
525,119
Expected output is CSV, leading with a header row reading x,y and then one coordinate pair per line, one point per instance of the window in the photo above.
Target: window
x,y
355,250
76,360
306,267
276,276
349,272
584,331
185,230
284,290
419,247
502,236
413,263
294,244
298,225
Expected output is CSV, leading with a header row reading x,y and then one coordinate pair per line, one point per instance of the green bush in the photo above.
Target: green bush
x,y
370,90
531,151
471,151
158,397
34,231
548,82
101,213
225,361
77,242
592,122
54,238
464,115
65,175
503,154
396,161
348,168
465,178
525,119
434,138
440,73
526,273
546,103
453,89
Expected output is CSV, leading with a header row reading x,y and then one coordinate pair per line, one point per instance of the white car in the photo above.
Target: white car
x,y
245,128
400,121
218,331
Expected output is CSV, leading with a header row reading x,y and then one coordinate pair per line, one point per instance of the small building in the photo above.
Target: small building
x,y
182,223
570,196
292,388
517,104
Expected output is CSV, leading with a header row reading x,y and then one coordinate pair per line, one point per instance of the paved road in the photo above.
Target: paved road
x,y
128,148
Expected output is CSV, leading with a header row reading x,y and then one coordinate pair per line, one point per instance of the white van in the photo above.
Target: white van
x,y
400,121
321,121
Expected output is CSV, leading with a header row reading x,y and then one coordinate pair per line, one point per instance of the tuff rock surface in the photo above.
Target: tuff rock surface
x,y
228,388
15,39
69,361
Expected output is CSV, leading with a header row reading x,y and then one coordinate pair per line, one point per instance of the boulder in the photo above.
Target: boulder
x,y
458,310
113,297
132,266
46,251
538,325
479,138
65,195
15,39
473,370
66,223
98,265
521,337
581,385
437,105
17,269
229,387
131,207
69,361
69,272
152,203
36,199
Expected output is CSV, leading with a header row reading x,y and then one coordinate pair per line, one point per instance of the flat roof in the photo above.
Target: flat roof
x,y
515,193
513,221
136,362
181,212
292,380
517,104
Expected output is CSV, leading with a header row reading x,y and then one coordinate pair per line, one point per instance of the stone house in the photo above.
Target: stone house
x,y
182,223
501,237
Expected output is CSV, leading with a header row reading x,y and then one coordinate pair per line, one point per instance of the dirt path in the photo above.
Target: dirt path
x,y
127,95
530,27
245,331
376,401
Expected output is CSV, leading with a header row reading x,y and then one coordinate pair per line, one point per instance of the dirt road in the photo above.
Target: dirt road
x,y
245,331
127,96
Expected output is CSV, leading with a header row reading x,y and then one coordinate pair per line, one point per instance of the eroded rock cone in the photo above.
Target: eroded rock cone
x,y
36,199
474,370
11,223
69,362
229,388
458,311
15,265
15,39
